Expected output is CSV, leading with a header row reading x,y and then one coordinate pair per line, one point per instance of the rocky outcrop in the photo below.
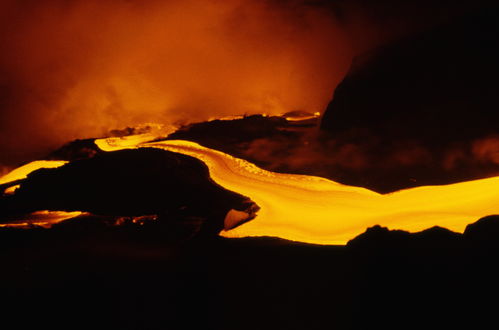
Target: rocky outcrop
x,y
419,109
482,233
438,87
128,183
378,237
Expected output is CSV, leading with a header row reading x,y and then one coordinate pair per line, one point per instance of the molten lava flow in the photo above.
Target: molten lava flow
x,y
23,171
124,142
11,190
304,208
316,210
40,218
45,219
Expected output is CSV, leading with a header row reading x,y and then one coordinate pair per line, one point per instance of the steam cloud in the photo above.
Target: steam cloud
x,y
76,69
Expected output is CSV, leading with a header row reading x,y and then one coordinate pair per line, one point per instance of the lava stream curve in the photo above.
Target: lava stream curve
x,y
316,210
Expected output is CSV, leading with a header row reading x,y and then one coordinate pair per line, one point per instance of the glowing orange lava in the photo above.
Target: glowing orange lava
x,y
45,219
304,208
11,190
316,210
23,171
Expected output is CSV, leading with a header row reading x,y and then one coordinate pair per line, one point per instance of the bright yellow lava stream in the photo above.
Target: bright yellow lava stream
x,y
307,208
316,210
23,171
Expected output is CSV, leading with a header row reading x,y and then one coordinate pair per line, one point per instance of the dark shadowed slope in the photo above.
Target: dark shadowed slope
x,y
424,108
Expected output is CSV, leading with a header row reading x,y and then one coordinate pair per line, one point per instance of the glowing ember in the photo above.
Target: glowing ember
x,y
298,116
11,190
45,219
316,210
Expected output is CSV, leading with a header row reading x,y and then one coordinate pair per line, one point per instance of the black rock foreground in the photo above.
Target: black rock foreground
x,y
132,277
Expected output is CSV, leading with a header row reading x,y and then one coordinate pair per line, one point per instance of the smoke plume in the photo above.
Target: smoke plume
x,y
76,69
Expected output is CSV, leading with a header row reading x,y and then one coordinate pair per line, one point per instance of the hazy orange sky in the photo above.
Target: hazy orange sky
x,y
76,69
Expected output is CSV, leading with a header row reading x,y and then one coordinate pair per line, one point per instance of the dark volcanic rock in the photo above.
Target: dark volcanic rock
x,y
227,135
484,232
425,277
437,236
416,108
75,150
378,237
438,87
134,278
127,183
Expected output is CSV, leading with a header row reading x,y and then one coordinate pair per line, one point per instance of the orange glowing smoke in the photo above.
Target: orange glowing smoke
x,y
73,69
486,149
